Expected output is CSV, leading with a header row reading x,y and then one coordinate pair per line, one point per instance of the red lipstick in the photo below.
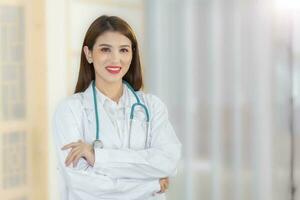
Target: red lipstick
x,y
113,69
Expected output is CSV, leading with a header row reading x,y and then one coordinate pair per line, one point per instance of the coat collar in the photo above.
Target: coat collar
x,y
88,100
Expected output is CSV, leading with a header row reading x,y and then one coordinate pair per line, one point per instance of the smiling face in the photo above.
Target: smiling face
x,y
111,56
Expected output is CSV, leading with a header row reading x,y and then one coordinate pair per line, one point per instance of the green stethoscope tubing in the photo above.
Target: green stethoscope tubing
x,y
138,103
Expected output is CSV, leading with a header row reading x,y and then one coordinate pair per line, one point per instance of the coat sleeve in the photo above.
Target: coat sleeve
x,y
158,161
83,178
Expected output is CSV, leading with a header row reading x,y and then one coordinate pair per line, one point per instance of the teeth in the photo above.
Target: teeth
x,y
114,69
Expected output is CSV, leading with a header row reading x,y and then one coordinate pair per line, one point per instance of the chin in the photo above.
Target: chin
x,y
113,80
108,78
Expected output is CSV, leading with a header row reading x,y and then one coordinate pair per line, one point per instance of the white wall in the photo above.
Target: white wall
x,y
57,65
222,69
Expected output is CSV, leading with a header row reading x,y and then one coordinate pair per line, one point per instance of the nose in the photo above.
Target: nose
x,y
115,57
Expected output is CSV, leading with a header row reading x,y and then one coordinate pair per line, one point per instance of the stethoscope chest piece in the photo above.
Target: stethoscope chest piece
x,y
98,144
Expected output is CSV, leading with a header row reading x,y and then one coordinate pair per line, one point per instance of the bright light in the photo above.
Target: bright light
x,y
287,5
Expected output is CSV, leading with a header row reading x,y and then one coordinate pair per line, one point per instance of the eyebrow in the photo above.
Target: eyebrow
x,y
108,45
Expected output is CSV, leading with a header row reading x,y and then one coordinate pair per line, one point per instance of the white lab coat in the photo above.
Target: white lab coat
x,y
118,172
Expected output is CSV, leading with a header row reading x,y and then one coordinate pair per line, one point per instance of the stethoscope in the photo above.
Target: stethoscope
x,y
98,143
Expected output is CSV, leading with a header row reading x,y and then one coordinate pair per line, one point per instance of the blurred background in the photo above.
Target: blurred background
x,y
228,71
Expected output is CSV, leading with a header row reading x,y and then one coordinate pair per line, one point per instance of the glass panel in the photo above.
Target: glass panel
x,y
14,155
12,63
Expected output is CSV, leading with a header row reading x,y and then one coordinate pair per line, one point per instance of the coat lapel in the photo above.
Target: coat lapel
x,y
108,132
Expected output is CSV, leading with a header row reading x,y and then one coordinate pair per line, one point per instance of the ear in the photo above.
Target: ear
x,y
88,54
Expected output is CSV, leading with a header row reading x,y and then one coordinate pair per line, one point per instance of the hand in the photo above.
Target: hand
x,y
79,149
164,185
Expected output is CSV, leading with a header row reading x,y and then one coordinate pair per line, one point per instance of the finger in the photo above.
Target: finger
x,y
72,153
167,179
71,159
76,160
162,188
71,156
71,145
164,179
166,186
167,183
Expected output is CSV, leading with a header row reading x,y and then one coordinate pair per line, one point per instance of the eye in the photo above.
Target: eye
x,y
105,49
124,50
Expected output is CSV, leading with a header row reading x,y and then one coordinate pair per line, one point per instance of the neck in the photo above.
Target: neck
x,y
113,91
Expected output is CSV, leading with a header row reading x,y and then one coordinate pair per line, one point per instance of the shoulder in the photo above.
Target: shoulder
x,y
71,105
153,102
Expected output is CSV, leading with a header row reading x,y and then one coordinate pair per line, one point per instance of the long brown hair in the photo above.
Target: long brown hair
x,y
99,26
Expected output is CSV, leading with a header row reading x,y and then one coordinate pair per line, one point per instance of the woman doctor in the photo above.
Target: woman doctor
x,y
113,141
